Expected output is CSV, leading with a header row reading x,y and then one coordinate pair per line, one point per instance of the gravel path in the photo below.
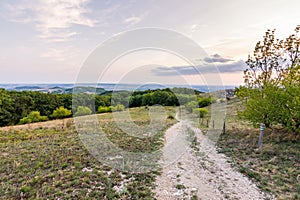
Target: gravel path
x,y
200,172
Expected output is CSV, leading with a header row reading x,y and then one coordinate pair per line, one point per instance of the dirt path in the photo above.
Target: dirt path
x,y
201,172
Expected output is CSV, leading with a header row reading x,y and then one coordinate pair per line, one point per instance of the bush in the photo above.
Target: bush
x,y
61,112
201,112
104,109
191,105
34,116
83,110
205,102
118,107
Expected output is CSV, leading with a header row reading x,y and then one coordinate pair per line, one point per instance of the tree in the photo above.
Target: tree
x,y
83,110
34,116
6,108
271,88
290,94
201,112
271,58
23,105
60,113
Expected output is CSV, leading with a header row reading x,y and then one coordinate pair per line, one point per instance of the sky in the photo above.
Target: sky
x,y
51,41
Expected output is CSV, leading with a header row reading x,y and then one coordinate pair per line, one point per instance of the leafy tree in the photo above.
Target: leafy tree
x,y
201,112
34,116
102,100
121,97
45,103
271,58
83,110
147,100
6,108
260,108
135,100
271,88
23,105
289,112
61,112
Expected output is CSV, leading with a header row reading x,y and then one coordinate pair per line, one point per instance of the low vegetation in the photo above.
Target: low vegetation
x,y
276,167
52,163
34,116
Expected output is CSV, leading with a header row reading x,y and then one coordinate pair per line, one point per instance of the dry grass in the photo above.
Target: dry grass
x,y
276,167
50,162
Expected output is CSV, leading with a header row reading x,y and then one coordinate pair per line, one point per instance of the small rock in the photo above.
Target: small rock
x,y
178,193
87,169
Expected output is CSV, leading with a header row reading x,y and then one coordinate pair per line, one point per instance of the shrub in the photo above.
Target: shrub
x,y
61,112
191,105
118,107
83,110
34,116
103,109
205,102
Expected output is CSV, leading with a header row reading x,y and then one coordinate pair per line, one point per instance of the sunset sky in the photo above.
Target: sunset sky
x,y
48,41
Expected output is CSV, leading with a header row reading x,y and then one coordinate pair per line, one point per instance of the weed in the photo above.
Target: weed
x,y
180,186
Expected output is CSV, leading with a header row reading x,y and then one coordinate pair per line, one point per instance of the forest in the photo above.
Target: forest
x,y
31,106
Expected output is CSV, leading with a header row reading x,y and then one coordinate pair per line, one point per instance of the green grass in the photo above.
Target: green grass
x,y
276,167
49,163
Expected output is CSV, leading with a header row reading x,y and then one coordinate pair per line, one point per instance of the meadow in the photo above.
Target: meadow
x,y
46,161
276,167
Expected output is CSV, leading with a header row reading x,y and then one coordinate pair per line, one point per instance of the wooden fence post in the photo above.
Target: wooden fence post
x,y
224,126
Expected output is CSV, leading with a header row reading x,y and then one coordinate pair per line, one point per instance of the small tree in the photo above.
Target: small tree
x,y
34,116
83,110
201,112
61,112
269,94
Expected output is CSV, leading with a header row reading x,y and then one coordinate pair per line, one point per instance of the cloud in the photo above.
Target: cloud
x,y
134,19
197,27
53,19
216,58
230,67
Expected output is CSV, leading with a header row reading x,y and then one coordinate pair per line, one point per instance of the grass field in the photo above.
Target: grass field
x,y
51,162
276,168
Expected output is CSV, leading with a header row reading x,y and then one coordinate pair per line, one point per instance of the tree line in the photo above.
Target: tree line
x,y
31,106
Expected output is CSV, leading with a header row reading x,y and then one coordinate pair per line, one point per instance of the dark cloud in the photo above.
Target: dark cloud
x,y
230,67
216,58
